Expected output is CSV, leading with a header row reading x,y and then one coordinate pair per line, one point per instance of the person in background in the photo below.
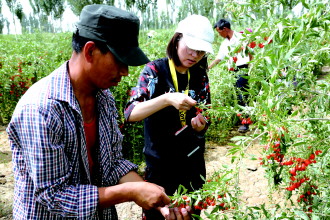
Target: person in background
x,y
232,40
169,96
64,135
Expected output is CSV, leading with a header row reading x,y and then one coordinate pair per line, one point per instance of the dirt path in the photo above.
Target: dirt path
x,y
6,176
252,181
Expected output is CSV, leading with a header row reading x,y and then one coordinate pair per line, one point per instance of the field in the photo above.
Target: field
x,y
288,105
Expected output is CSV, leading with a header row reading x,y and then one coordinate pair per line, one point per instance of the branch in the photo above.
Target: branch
x,y
311,119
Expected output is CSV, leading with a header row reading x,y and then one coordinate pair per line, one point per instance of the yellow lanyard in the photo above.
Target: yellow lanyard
x,y
182,113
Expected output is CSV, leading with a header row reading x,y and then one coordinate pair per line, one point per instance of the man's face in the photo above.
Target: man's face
x,y
223,33
107,71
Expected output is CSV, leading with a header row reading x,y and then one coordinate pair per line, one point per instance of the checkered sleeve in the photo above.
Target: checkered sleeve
x,y
111,139
40,133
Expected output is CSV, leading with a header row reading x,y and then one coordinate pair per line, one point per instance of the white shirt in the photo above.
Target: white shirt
x,y
228,46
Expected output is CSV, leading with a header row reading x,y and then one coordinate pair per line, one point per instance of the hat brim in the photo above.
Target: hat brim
x,y
132,56
198,44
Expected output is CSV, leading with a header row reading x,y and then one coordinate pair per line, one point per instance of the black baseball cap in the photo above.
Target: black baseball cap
x,y
117,28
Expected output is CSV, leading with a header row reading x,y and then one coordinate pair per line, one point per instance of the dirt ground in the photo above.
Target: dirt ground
x,y
252,179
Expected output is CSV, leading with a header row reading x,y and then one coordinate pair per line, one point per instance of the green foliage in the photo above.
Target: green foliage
x,y
26,59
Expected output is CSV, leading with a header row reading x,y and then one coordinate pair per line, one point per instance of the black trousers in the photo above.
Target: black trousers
x,y
242,86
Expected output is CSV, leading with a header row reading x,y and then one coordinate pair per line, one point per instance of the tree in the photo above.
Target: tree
x,y
1,19
77,6
53,8
16,9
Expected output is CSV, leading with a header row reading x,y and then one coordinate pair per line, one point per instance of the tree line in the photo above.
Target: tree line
x,y
46,12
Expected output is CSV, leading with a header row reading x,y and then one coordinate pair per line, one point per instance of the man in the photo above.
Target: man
x,y
64,135
232,41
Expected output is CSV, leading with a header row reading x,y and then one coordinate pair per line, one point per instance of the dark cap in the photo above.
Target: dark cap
x,y
117,28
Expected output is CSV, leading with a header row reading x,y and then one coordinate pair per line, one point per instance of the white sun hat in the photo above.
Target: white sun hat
x,y
197,32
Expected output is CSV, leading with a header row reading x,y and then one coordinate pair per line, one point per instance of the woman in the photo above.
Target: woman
x,y
167,96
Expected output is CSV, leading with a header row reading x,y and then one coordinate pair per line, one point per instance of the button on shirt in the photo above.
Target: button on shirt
x,y
229,45
52,177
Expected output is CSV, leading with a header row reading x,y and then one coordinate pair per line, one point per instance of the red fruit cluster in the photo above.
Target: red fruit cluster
x,y
204,112
277,154
298,179
198,110
244,121
307,196
19,85
212,201
300,164
206,203
267,39
253,44
181,202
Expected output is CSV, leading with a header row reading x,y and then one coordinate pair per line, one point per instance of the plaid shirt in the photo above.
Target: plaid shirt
x,y
52,178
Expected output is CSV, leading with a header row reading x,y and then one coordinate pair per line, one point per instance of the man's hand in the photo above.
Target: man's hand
x,y
131,187
149,195
176,213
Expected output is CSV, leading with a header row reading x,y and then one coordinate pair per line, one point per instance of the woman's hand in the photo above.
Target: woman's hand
x,y
198,123
180,101
144,109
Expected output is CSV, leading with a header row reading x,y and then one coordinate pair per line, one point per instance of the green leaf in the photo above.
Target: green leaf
x,y
299,143
289,54
301,214
268,60
280,29
305,4
196,216
234,150
264,210
315,217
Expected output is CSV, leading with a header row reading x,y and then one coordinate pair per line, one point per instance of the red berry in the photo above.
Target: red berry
x,y
292,171
252,44
318,152
277,144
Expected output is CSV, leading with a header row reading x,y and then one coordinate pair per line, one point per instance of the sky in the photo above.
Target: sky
x,y
68,19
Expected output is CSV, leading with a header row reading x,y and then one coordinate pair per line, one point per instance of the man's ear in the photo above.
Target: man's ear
x,y
89,49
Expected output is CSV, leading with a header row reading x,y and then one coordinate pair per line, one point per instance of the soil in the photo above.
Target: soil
x,y
252,179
